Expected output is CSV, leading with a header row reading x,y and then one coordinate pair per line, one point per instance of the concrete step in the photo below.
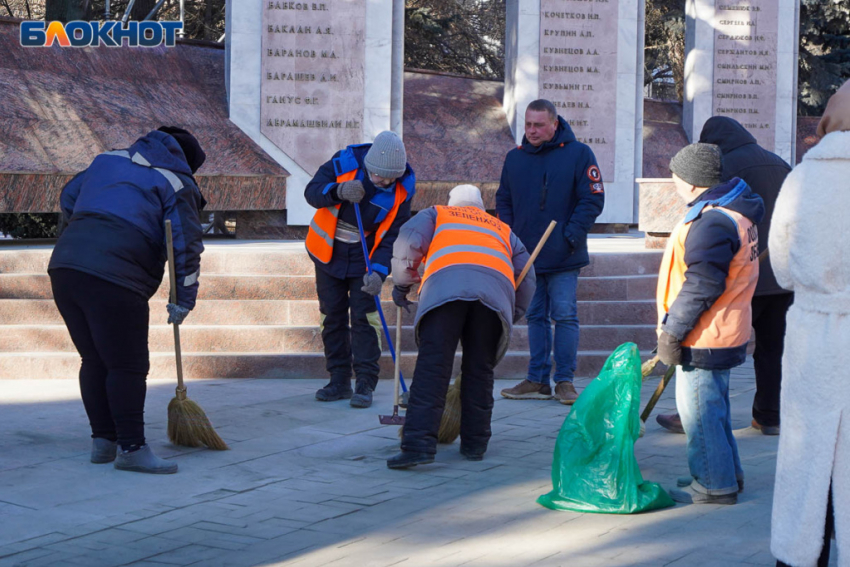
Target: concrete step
x,y
286,287
290,258
39,366
303,312
284,338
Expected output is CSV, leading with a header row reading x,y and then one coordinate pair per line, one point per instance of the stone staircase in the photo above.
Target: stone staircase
x,y
257,316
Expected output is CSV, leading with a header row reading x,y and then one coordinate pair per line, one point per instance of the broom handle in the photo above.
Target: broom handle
x,y
397,361
534,254
172,275
657,394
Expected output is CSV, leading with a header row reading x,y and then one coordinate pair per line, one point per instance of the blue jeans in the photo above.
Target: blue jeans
x,y
702,397
554,300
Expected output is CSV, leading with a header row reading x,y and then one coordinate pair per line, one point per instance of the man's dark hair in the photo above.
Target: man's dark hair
x,y
543,104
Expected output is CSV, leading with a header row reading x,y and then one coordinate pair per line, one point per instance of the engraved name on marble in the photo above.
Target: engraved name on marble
x,y
312,93
744,85
578,70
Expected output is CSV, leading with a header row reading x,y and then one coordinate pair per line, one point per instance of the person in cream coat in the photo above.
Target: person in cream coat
x,y
809,247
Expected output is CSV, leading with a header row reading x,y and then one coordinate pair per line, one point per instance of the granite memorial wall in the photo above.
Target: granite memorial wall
x,y
586,56
306,79
741,62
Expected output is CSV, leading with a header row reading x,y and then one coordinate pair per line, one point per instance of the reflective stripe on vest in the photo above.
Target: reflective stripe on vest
x,y
139,159
320,235
468,235
728,322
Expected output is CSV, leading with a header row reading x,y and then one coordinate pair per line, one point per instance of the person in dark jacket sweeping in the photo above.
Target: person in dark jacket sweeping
x,y
551,176
378,177
467,294
764,172
106,266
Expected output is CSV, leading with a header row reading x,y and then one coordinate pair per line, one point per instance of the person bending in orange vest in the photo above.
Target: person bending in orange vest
x,y
378,177
705,285
467,294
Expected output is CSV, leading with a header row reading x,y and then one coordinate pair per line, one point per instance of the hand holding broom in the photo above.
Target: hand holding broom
x,y
187,423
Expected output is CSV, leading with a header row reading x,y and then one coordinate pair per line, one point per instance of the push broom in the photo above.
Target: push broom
x,y
381,311
188,425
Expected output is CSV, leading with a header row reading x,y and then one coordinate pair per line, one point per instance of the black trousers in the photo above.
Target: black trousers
x,y
479,328
769,323
357,346
823,560
109,326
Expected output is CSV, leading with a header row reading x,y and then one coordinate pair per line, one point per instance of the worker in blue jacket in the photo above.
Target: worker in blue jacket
x,y
106,266
378,178
551,176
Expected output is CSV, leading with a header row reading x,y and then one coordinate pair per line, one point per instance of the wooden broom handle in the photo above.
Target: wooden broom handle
x,y
172,276
536,252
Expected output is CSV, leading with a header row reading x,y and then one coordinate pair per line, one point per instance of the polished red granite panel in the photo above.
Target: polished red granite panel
x,y
660,207
20,148
807,137
663,136
61,107
455,128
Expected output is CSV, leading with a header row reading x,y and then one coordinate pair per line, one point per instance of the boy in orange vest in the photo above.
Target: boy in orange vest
x,y
707,279
378,177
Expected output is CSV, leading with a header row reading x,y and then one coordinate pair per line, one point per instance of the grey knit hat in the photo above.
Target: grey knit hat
x,y
698,164
387,158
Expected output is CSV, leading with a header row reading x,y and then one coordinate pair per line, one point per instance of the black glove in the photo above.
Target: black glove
x,y
669,349
400,297
351,191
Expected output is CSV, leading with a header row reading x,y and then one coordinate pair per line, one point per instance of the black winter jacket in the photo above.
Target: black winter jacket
x,y
558,180
763,171
116,211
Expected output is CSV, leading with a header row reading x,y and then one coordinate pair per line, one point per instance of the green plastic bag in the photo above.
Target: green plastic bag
x,y
595,469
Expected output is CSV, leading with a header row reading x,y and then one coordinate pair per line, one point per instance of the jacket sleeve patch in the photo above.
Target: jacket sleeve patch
x,y
595,177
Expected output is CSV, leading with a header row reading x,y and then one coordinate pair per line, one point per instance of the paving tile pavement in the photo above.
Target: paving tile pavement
x,y
306,484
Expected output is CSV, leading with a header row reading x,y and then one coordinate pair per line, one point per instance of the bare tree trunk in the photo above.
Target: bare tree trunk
x,y
141,8
66,10
208,19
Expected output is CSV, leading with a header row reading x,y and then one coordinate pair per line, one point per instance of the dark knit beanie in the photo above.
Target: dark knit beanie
x,y
698,164
195,155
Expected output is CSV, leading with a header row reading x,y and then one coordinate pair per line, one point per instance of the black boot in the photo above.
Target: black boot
x,y
407,459
336,390
362,395
472,454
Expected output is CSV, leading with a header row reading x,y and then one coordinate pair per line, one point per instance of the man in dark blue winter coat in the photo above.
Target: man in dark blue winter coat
x,y
106,266
764,172
378,177
551,176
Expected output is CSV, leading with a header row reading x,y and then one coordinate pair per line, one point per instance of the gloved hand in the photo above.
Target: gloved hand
x,y
351,191
372,284
400,297
176,314
669,349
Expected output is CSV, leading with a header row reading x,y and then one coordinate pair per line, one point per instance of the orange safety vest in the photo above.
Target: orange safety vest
x,y
320,235
728,322
468,235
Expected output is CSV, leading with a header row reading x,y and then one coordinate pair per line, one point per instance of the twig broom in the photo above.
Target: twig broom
x,y
188,425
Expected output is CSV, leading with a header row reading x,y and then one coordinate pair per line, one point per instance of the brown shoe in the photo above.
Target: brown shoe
x,y
566,393
528,390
